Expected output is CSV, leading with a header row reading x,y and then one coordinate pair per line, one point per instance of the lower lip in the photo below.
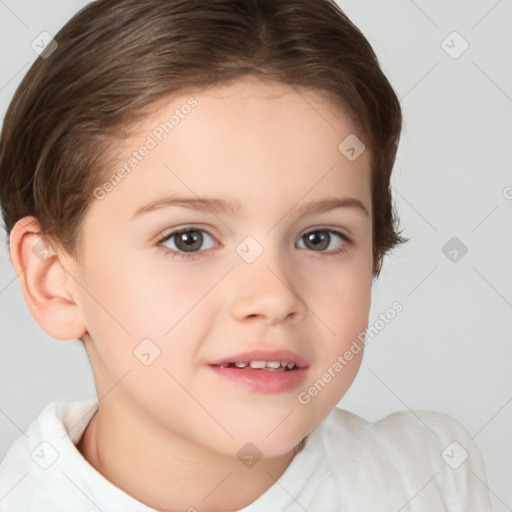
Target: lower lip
x,y
263,381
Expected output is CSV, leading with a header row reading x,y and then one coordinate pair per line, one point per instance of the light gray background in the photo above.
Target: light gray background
x,y
450,348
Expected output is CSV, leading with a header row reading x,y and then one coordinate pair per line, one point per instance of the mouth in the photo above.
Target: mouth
x,y
260,359
263,371
271,366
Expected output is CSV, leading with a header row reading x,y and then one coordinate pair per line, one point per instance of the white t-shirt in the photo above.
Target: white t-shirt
x,y
410,461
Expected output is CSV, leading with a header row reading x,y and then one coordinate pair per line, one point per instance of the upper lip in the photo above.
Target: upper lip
x,y
265,355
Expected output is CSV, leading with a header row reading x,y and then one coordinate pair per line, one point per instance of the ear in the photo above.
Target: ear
x,y
45,282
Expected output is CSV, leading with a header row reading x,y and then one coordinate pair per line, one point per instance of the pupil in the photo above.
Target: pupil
x,y
320,239
192,240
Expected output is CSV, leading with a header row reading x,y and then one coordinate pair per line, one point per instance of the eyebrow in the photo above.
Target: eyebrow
x,y
231,208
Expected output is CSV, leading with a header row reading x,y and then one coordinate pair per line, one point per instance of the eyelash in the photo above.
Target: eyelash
x,y
191,255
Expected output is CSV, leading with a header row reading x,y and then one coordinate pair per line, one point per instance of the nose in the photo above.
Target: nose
x,y
267,291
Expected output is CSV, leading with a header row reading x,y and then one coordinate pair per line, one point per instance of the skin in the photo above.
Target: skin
x,y
168,433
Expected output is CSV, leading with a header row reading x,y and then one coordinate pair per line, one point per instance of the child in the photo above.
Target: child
x,y
199,191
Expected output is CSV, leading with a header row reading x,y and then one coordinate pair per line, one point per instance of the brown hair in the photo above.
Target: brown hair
x,y
116,59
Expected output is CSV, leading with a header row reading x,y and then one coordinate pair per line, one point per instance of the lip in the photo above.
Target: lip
x,y
265,355
264,381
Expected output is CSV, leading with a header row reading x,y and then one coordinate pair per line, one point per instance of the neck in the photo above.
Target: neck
x,y
167,472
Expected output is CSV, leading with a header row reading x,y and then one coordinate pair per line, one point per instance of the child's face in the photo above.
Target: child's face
x,y
272,151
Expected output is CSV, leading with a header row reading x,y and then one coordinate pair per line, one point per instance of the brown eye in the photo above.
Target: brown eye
x,y
321,239
317,240
186,240
189,242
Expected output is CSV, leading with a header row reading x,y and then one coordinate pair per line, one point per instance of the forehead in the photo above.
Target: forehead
x,y
248,105
249,139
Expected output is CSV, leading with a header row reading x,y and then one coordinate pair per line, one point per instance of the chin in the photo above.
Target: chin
x,y
268,449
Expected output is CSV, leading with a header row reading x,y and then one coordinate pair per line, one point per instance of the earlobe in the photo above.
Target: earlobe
x,y
45,282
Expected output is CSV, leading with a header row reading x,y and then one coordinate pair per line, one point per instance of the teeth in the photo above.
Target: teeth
x,y
261,364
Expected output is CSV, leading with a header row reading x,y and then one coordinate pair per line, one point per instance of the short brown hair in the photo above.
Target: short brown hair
x,y
115,59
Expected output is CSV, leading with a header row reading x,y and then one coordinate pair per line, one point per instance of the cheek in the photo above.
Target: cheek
x,y
144,328
136,297
343,305
341,294
343,309
119,311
